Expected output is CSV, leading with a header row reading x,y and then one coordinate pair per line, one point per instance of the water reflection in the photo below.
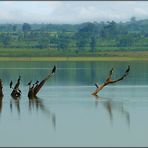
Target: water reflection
x,y
38,105
73,72
15,102
35,104
117,106
111,106
1,105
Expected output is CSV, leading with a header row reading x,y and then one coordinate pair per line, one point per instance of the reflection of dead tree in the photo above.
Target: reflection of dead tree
x,y
110,106
16,92
16,103
110,81
109,109
38,104
1,95
35,88
1,105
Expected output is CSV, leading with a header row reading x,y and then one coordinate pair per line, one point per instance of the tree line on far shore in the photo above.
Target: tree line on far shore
x,y
85,37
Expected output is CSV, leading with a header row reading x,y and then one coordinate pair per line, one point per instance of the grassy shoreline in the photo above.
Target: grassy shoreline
x,y
42,59
99,56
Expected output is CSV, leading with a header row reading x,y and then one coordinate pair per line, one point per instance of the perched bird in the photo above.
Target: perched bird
x,y
19,91
36,82
11,83
96,85
54,69
32,86
29,83
19,78
128,69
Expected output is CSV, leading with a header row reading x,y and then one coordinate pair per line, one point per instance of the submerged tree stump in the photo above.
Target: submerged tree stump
x,y
110,81
35,88
16,92
1,89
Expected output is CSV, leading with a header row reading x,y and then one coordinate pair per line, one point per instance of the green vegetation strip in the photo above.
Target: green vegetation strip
x,y
28,59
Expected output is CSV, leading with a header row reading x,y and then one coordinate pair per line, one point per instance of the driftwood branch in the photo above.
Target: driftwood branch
x,y
110,81
35,88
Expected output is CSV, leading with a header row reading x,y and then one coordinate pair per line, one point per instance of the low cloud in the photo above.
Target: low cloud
x,y
70,11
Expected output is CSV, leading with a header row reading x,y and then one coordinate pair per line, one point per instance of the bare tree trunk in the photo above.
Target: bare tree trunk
x,y
98,89
16,92
38,88
33,91
110,81
1,89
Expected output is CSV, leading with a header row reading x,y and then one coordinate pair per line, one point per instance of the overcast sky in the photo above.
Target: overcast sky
x,y
71,11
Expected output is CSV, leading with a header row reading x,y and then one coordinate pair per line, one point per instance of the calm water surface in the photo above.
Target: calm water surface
x,y
65,114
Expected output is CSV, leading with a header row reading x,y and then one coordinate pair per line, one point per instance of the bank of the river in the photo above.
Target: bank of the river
x,y
99,56
28,59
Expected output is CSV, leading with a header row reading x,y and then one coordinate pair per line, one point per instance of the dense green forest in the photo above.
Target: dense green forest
x,y
73,39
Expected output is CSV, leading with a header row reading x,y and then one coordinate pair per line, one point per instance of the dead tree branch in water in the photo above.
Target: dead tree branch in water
x,y
16,92
35,88
110,81
1,89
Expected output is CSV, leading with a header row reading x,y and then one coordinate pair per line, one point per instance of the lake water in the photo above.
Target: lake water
x,y
65,114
